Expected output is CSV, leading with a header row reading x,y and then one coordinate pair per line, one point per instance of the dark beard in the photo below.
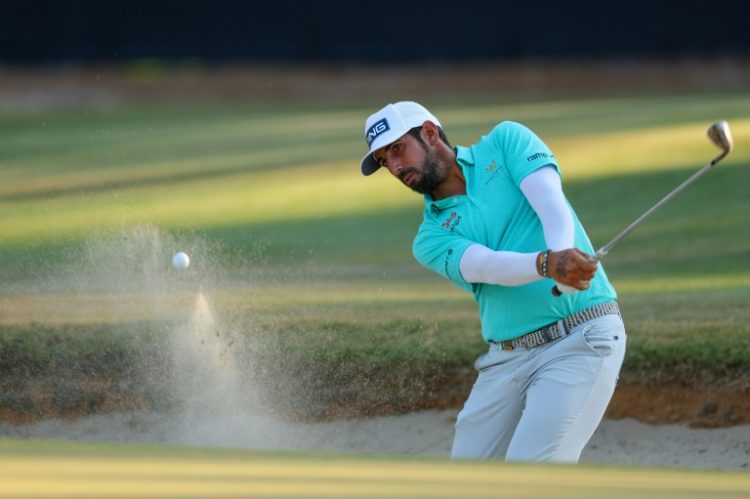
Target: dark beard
x,y
430,177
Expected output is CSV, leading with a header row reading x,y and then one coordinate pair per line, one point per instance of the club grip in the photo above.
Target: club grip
x,y
556,292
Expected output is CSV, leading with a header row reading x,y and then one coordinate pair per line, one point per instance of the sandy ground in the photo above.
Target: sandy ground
x,y
426,433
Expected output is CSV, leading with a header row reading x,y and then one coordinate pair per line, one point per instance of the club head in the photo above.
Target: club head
x,y
720,135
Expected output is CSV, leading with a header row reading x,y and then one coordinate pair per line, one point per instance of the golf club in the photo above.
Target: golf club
x,y
721,136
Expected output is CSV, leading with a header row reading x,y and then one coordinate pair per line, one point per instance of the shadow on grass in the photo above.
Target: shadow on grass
x,y
703,231
282,160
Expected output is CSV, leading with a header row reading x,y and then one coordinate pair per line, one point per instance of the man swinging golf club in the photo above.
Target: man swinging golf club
x,y
498,225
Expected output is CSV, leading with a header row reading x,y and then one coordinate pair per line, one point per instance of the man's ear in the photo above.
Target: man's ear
x,y
430,133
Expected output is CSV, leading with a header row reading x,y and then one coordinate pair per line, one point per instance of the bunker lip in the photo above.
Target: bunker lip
x,y
34,399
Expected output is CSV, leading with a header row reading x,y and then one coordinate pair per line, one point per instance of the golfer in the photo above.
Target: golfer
x,y
497,224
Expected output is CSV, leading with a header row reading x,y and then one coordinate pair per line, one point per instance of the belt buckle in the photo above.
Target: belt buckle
x,y
507,346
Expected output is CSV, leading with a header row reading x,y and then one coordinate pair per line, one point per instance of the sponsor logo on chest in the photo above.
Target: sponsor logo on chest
x,y
452,221
492,172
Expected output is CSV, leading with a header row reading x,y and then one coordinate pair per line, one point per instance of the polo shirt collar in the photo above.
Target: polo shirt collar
x,y
464,156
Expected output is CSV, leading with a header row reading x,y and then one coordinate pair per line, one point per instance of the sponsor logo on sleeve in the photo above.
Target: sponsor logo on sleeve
x,y
376,129
539,155
446,266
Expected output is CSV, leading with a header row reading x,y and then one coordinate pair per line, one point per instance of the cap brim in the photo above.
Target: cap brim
x,y
369,165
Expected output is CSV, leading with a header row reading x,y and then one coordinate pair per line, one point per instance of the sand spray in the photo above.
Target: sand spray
x,y
200,379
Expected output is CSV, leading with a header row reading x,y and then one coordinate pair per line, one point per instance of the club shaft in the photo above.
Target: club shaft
x,y
619,237
602,252
721,137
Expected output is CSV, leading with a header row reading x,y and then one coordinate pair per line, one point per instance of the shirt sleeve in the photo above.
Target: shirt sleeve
x,y
506,268
441,252
523,152
543,190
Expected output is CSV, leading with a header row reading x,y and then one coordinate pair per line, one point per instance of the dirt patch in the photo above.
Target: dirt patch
x,y
33,399
697,406
674,404
700,407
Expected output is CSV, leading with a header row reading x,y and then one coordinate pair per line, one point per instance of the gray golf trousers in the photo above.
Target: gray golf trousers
x,y
542,404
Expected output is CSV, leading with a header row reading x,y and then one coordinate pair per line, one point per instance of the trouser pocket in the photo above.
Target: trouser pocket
x,y
603,334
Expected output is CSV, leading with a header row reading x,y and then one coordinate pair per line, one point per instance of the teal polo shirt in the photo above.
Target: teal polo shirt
x,y
495,213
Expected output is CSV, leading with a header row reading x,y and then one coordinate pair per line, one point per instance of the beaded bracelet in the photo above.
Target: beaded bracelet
x,y
545,259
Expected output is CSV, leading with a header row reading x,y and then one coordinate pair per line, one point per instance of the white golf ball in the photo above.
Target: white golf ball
x,y
181,260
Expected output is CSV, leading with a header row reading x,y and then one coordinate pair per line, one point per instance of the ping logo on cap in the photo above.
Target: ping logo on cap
x,y
375,130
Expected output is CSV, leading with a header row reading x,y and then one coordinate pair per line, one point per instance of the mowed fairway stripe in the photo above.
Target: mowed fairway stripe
x,y
259,474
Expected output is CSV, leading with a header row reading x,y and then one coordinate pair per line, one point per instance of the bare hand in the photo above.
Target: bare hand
x,y
571,267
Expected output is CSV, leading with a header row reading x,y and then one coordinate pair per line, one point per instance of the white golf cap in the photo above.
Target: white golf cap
x,y
390,124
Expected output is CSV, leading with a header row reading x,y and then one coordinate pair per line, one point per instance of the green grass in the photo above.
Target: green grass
x,y
292,243
41,469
